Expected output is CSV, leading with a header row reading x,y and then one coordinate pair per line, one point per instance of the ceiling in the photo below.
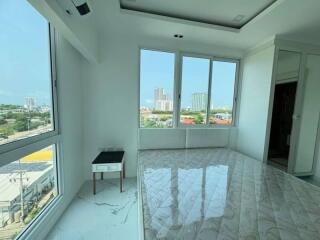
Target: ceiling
x,y
227,13
290,19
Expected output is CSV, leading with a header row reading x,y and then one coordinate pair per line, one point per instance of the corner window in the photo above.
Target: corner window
x,y
28,123
26,99
27,186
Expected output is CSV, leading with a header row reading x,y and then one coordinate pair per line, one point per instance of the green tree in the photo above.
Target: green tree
x,y
198,119
2,121
21,124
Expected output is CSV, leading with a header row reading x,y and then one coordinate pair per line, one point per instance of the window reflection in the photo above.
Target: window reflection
x,y
159,198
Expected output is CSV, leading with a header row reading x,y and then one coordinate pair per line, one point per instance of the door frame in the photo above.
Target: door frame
x,y
297,106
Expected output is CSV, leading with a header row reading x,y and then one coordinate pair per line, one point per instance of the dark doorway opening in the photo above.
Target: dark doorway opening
x,y
281,124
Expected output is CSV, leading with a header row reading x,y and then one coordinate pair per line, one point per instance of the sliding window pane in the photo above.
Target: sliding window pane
x,y
27,186
25,73
194,90
222,92
156,89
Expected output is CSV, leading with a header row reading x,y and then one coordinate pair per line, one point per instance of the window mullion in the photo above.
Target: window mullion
x,y
177,90
209,93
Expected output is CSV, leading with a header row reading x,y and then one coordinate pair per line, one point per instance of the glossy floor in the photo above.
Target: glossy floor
x,y
221,194
108,215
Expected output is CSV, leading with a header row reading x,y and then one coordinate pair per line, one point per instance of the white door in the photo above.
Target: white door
x,y
306,142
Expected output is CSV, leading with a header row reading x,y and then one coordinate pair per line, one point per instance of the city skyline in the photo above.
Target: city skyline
x,y
202,102
162,101
157,71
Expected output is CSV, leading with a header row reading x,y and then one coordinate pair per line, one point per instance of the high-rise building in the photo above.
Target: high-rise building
x,y
158,94
162,101
199,102
29,103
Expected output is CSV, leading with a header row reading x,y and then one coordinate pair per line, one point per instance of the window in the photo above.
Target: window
x,y
156,89
26,106
222,92
28,125
202,94
27,186
194,90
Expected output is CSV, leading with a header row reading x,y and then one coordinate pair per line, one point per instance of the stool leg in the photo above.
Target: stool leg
x,y
124,169
101,175
121,181
94,183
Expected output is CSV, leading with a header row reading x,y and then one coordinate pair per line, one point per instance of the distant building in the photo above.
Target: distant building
x,y
144,109
162,101
159,95
164,105
30,103
44,109
199,102
223,116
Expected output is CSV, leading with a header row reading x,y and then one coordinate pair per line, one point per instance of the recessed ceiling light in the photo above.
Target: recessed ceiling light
x,y
178,36
238,18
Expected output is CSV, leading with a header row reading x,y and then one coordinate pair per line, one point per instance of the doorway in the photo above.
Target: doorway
x,y
281,124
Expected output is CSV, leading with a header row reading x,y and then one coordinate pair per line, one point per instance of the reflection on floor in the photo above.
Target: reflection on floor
x,y
277,165
107,215
280,161
221,194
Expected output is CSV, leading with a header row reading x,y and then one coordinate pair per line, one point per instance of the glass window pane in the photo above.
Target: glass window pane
x,y
25,80
27,186
156,89
194,90
222,92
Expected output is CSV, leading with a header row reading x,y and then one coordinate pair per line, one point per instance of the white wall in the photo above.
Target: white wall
x,y
317,163
254,102
183,138
70,116
70,92
111,93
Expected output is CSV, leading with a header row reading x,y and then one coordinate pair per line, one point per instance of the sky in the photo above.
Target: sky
x,y
25,66
24,54
157,71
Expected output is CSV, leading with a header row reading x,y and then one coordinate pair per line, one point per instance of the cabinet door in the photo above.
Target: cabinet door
x,y
308,132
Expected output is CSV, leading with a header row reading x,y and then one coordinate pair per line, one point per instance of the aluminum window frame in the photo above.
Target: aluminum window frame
x,y
7,147
175,74
235,89
57,168
15,150
178,84
201,56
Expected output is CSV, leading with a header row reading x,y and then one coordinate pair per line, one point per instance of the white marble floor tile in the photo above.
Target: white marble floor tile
x,y
209,194
108,215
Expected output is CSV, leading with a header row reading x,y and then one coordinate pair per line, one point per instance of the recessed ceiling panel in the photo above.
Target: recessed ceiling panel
x,y
227,13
